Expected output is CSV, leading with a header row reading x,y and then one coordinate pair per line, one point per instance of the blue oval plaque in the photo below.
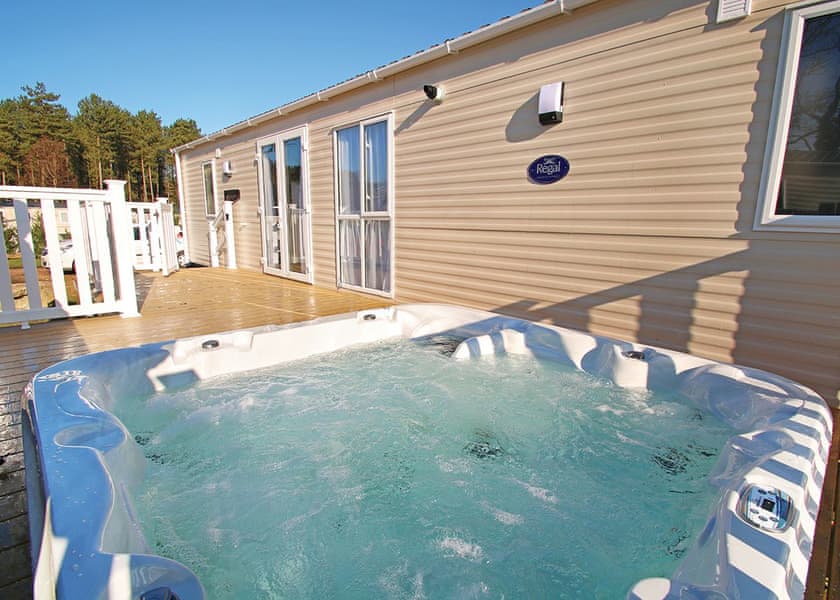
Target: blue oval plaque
x,y
548,169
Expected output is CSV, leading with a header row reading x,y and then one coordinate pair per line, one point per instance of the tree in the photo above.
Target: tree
x,y
9,142
25,120
37,229
147,151
180,132
10,238
102,128
42,115
47,164
41,144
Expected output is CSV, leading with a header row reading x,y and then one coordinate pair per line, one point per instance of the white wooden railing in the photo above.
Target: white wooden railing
x,y
166,237
100,233
153,232
142,219
222,242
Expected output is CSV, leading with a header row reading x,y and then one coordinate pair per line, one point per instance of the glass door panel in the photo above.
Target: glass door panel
x,y
272,227
378,255
349,172
296,209
349,239
376,167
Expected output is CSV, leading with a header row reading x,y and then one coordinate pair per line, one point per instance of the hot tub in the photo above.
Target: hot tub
x,y
83,464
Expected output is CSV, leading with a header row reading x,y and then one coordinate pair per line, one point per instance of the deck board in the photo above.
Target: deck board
x,y
190,302
197,302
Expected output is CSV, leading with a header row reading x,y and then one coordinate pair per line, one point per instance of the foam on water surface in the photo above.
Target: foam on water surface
x,y
392,471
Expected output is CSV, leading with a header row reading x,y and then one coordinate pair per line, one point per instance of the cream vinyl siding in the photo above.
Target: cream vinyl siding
x,y
246,220
650,236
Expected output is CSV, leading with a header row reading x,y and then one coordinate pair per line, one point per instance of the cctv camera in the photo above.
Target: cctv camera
x,y
433,92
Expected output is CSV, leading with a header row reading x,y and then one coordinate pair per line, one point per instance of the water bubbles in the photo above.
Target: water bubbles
x,y
394,471
462,548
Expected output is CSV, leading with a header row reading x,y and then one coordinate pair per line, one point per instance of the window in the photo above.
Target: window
x,y
209,189
364,205
801,185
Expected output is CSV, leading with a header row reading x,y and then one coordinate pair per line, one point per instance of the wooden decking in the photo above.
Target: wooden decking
x,y
189,302
199,301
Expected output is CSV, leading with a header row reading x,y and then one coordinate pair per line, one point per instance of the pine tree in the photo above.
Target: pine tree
x,y
103,129
147,152
180,132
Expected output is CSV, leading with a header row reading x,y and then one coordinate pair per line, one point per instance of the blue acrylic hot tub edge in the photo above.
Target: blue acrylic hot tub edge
x,y
87,542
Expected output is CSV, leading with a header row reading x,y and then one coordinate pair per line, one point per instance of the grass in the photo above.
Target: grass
x,y
15,262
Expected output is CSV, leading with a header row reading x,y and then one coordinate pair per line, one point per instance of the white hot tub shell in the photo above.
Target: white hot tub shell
x,y
81,461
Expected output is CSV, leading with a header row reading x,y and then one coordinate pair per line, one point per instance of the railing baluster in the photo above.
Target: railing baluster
x,y
7,298
103,243
27,253
77,233
54,252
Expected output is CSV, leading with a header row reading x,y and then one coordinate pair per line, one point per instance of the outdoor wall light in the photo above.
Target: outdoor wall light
x,y
551,103
434,92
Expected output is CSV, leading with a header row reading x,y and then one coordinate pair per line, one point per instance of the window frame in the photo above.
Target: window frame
x,y
364,215
766,218
212,164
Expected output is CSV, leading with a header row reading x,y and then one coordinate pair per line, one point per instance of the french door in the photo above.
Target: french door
x,y
284,205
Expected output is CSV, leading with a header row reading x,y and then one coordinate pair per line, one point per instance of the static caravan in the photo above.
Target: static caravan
x,y
663,171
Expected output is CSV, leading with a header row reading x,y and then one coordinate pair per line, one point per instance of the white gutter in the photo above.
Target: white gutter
x,y
488,32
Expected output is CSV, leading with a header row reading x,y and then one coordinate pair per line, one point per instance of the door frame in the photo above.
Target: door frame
x,y
277,139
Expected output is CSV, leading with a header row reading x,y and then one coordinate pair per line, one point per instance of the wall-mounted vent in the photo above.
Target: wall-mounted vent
x,y
733,9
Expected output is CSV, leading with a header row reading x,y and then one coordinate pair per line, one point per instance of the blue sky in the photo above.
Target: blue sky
x,y
216,61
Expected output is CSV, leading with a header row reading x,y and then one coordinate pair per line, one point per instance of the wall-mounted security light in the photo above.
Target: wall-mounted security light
x,y
551,103
227,168
434,92
218,153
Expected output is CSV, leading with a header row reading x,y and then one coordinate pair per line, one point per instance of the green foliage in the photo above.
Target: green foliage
x,y
180,132
25,120
41,144
10,237
38,239
47,164
103,128
147,152
12,240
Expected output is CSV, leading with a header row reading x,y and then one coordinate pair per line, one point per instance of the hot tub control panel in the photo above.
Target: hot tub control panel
x,y
766,508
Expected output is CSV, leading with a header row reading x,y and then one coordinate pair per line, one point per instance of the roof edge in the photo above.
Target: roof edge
x,y
527,17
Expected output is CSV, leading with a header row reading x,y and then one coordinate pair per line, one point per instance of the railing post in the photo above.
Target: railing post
x,y
154,242
166,230
229,238
123,240
214,241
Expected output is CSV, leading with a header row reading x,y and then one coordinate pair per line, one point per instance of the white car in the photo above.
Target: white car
x,y
68,257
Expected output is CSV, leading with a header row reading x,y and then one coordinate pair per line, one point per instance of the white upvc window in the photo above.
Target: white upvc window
x,y
800,187
364,205
208,172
